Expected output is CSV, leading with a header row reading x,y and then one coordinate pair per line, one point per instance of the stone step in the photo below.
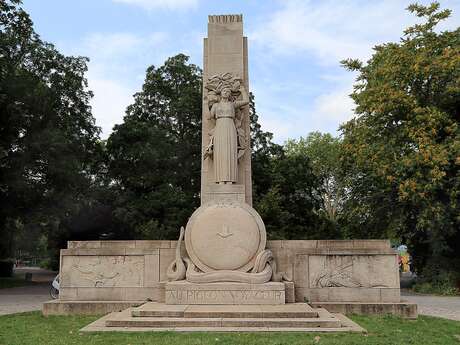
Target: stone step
x,y
154,309
294,310
181,316
174,322
124,321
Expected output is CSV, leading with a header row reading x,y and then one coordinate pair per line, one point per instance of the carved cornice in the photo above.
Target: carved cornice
x,y
225,18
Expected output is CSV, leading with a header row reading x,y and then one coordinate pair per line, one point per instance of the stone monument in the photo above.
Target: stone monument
x,y
222,273
225,238
225,68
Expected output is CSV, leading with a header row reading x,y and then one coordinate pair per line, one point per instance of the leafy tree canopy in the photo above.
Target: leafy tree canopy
x,y
48,137
323,150
402,151
155,155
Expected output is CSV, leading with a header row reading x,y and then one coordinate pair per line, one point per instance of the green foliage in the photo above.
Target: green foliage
x,y
263,153
435,279
48,140
155,178
290,205
402,152
444,285
285,188
395,173
6,268
154,157
323,151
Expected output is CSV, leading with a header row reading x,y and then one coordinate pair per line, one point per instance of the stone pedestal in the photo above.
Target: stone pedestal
x,y
217,193
151,317
183,292
86,295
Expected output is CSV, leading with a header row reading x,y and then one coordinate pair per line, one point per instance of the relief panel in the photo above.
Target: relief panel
x,y
102,271
352,271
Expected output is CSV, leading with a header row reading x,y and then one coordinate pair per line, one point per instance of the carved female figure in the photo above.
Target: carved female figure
x,y
224,142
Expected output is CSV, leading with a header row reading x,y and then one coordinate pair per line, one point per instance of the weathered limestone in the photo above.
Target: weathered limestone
x,y
351,271
402,309
373,273
183,292
228,139
58,307
289,291
225,53
227,192
292,257
121,273
294,310
225,236
289,317
346,275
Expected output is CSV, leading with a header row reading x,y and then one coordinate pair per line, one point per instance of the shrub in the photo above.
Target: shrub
x,y
6,268
445,283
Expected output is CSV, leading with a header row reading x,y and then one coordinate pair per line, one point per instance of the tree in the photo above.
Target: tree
x,y
402,151
323,151
154,157
263,151
285,188
48,140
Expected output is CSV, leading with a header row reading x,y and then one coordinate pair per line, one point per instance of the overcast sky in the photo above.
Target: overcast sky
x,y
294,49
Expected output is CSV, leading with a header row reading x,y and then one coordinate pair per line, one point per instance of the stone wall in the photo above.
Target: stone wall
x,y
322,271
340,271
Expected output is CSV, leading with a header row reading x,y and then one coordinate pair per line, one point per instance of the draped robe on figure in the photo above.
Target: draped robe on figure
x,y
225,145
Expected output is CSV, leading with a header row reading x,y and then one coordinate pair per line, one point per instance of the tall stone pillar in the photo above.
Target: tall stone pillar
x,y
225,237
226,52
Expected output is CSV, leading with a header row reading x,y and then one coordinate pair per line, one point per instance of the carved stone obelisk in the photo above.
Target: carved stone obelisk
x,y
226,147
225,238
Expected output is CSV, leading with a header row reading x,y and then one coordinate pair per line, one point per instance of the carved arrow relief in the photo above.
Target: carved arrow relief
x,y
225,232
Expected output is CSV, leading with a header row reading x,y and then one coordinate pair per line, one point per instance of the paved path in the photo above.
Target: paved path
x,y
39,275
27,298
24,298
446,307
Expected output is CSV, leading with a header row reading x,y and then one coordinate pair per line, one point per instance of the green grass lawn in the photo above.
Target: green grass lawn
x,y
34,329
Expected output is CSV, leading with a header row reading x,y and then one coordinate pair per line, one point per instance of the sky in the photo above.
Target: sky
x,y
295,49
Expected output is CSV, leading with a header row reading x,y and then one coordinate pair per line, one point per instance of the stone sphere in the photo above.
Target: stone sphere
x,y
225,235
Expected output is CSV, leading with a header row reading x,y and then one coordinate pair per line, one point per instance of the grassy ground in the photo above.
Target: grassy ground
x,y
34,329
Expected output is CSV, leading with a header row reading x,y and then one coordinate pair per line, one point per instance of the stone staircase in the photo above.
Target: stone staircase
x,y
293,317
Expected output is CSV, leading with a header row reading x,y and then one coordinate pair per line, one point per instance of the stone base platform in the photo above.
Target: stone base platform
x,y
298,317
294,310
403,309
183,292
59,307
